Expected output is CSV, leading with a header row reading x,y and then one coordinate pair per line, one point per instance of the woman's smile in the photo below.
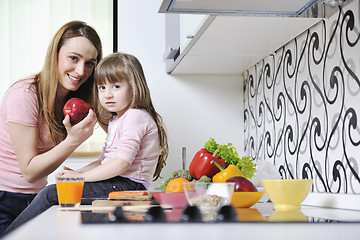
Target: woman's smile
x,y
74,80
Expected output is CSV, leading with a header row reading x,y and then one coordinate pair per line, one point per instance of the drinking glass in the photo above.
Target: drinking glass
x,y
69,191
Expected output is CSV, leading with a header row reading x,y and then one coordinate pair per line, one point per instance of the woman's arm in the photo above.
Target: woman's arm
x,y
35,166
109,169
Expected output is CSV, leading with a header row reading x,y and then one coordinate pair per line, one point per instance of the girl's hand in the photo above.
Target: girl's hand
x,y
81,131
71,174
60,174
67,168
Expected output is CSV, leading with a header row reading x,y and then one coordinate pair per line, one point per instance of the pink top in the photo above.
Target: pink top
x,y
134,138
19,105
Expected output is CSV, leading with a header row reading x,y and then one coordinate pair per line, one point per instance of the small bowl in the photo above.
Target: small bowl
x,y
208,195
249,215
287,194
245,199
287,216
177,200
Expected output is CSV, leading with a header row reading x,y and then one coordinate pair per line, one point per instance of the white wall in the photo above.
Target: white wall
x,y
194,108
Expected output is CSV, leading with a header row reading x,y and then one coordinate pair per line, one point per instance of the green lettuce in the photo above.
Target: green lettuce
x,y
230,155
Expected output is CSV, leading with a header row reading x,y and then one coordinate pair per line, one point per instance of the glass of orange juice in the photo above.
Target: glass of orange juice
x,y
69,191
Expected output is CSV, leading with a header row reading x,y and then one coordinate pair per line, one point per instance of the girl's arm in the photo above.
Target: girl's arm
x,y
89,166
109,169
35,166
80,170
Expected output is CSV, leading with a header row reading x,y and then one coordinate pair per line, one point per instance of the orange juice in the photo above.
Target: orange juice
x,y
69,191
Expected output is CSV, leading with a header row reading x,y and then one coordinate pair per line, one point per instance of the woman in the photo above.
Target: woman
x,y
136,147
36,138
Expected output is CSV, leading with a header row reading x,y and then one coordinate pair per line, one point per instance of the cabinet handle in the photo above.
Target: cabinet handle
x,y
190,35
172,53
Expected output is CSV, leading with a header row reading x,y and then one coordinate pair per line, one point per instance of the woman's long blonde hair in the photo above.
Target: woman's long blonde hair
x,y
46,82
120,66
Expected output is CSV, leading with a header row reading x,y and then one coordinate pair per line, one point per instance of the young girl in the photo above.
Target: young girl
x,y
34,139
136,146
136,136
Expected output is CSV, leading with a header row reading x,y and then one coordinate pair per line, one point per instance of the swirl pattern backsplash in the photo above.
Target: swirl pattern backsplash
x,y
302,105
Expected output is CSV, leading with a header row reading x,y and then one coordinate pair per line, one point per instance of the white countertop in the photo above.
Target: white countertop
x,y
66,225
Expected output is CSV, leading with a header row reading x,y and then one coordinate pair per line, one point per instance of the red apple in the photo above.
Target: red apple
x,y
242,184
77,110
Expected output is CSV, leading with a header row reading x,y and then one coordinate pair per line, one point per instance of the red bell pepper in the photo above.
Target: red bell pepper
x,y
201,164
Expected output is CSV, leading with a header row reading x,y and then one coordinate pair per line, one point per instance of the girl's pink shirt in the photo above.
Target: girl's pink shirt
x,y
19,105
134,138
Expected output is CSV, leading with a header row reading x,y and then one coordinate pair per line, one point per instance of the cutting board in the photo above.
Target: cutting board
x,y
120,202
133,208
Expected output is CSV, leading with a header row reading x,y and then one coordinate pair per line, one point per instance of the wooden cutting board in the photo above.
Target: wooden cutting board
x,y
133,208
120,202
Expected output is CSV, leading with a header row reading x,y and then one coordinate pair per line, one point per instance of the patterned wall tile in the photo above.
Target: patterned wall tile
x,y
302,103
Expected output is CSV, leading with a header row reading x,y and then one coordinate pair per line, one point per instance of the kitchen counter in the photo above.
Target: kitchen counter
x,y
56,224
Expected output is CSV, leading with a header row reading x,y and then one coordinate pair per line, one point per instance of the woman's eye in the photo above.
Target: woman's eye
x,y
90,64
101,88
116,86
73,58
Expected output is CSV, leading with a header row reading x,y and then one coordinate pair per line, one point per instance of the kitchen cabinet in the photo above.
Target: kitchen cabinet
x,y
190,24
297,8
225,43
231,44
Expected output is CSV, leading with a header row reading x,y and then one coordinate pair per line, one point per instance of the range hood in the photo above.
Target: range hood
x,y
294,8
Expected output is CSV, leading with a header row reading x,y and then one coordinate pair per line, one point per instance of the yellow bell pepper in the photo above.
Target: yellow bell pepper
x,y
225,174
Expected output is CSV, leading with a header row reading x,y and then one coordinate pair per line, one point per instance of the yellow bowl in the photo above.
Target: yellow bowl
x,y
245,199
287,194
287,216
249,215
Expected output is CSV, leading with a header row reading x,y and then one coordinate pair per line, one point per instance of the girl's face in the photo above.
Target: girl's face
x,y
76,61
115,97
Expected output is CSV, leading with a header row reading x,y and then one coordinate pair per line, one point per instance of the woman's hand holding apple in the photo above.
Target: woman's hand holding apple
x,y
78,133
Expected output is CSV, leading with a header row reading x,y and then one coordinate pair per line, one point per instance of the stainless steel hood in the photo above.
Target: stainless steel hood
x,y
293,8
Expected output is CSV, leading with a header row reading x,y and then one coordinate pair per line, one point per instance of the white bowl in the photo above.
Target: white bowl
x,y
208,195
